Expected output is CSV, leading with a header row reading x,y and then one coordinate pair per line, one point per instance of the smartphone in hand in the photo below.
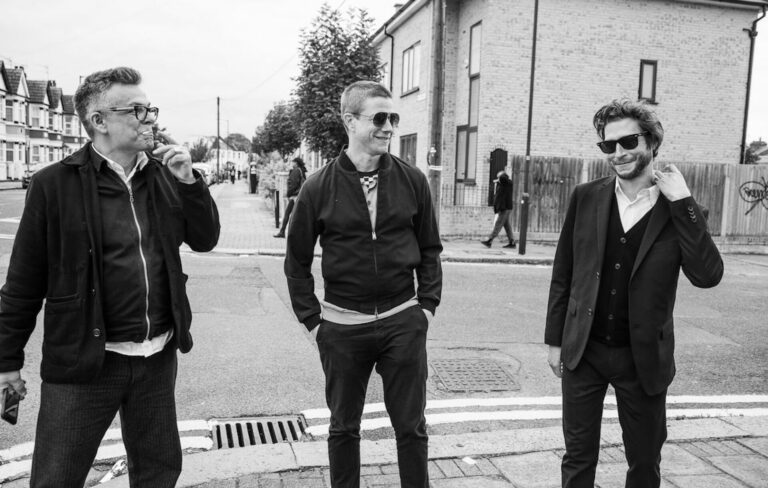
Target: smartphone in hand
x,y
9,405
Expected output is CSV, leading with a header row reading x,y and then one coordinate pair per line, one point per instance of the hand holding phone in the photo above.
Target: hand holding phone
x,y
9,405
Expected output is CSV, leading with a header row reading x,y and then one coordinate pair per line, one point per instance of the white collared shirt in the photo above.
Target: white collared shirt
x,y
156,344
632,211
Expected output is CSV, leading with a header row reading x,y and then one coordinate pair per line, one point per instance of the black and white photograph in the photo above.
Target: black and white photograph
x,y
379,244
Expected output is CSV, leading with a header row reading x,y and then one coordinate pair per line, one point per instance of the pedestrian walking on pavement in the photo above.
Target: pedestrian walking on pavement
x,y
296,178
503,204
610,314
99,241
362,206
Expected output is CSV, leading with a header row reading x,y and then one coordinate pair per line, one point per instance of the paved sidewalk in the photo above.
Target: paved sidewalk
x,y
711,453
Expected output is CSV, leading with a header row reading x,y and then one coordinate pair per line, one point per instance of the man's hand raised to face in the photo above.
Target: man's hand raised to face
x,y
176,158
671,183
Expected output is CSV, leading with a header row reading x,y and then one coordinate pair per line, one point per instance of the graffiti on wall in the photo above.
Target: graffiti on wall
x,y
755,193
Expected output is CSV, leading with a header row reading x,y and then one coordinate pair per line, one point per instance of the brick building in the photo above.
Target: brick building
x,y
687,57
38,123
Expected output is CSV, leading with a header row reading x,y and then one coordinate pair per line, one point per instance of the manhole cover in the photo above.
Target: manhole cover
x,y
243,432
462,375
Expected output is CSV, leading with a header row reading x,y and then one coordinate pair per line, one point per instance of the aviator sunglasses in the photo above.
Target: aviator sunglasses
x,y
380,118
627,142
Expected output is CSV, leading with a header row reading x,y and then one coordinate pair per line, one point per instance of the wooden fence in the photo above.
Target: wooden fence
x,y
735,196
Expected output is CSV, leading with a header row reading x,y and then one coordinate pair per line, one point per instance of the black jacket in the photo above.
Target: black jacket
x,y
364,269
57,257
503,199
676,238
295,179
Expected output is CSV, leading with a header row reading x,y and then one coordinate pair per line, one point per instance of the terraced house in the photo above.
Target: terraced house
x,y
38,123
525,77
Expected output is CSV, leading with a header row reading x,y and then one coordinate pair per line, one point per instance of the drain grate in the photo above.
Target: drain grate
x,y
254,431
472,374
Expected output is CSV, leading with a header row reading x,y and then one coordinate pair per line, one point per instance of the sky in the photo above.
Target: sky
x,y
190,52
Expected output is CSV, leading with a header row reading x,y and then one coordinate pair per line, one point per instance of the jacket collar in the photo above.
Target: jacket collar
x,y
385,161
88,154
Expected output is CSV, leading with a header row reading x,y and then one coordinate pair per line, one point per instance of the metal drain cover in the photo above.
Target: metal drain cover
x,y
253,431
472,374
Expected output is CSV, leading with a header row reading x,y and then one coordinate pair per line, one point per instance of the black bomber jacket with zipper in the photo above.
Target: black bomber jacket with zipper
x,y
367,269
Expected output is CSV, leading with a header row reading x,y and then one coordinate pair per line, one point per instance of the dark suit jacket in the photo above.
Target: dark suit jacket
x,y
676,237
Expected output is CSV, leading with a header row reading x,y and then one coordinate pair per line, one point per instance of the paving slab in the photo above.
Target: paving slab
x,y
750,470
689,429
495,443
677,461
476,482
755,426
759,445
708,480
310,454
534,470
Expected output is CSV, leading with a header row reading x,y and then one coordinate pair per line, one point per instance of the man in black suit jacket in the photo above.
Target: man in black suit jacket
x,y
612,295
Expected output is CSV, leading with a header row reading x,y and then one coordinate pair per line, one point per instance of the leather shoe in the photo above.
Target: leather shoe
x,y
279,234
511,245
486,243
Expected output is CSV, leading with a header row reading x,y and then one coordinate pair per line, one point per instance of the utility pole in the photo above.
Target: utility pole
x,y
435,153
525,207
218,137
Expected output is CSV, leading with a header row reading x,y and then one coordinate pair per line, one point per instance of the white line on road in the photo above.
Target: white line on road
x,y
9,237
321,413
458,417
11,220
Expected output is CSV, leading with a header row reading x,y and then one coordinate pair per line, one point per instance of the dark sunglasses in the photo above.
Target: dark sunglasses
x,y
380,118
627,142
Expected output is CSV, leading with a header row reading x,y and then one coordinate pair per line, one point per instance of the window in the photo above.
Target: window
x,y
9,153
51,155
2,113
466,135
9,110
408,149
34,117
647,89
474,49
411,69
68,126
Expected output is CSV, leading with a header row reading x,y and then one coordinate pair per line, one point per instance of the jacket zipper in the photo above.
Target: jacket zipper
x,y
375,270
143,259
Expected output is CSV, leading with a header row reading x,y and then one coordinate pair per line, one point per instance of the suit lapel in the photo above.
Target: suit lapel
x,y
659,218
603,213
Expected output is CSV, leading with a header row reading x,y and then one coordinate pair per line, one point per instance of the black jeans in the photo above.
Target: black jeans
x,y
397,347
642,418
74,417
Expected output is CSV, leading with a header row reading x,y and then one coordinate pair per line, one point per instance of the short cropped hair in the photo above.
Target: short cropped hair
x,y
630,109
96,84
358,92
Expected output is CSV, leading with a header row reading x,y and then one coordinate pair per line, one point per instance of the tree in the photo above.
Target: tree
x,y
754,151
279,132
238,142
199,151
332,55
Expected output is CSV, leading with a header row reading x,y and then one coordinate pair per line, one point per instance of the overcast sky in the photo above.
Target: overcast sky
x,y
191,51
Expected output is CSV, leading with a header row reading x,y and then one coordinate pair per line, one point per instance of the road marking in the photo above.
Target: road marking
x,y
459,417
9,237
324,413
11,220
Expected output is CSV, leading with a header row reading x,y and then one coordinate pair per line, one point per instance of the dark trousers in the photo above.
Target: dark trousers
x,y
74,417
288,209
642,418
397,347
502,220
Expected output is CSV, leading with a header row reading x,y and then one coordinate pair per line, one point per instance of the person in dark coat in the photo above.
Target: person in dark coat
x,y
610,321
503,204
295,180
98,241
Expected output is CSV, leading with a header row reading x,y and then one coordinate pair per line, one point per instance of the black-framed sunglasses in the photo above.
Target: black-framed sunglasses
x,y
380,118
141,112
627,142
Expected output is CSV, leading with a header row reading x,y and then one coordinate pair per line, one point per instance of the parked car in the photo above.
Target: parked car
x,y
26,178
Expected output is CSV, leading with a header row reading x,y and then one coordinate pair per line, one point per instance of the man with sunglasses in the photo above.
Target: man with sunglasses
x,y
99,241
609,320
373,215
